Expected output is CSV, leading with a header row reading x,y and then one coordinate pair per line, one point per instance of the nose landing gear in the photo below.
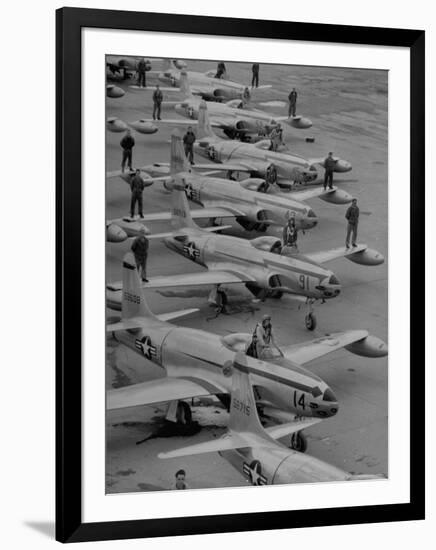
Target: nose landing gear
x,y
310,319
298,442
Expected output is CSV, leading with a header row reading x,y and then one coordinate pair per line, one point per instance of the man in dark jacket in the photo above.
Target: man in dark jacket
x,y
157,102
141,70
292,102
329,165
255,78
352,215
137,187
127,144
140,251
188,142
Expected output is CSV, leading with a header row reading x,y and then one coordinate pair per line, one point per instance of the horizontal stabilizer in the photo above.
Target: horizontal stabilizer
x,y
281,430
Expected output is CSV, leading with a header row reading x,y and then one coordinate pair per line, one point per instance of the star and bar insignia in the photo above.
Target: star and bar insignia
x,y
191,250
191,193
145,346
254,472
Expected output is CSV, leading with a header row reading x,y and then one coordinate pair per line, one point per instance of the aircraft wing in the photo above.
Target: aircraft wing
x,y
152,89
334,253
157,391
137,322
203,213
308,351
181,121
212,277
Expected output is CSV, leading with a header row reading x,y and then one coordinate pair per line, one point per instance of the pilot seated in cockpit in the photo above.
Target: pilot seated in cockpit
x,y
262,345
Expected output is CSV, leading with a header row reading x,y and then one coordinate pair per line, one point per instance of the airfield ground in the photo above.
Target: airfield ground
x,y
349,113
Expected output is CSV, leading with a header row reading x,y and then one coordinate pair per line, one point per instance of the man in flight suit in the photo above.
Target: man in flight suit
x,y
188,142
127,144
352,215
142,69
137,187
255,78
157,102
140,251
292,102
329,165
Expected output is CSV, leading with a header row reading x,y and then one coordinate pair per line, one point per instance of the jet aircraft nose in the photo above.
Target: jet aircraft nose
x,y
330,287
327,404
311,219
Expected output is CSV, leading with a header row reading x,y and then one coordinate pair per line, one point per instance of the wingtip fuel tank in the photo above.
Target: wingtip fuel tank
x,y
369,256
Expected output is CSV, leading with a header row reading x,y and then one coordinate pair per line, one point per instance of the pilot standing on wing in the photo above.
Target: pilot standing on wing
x,y
157,102
136,187
127,144
352,215
329,165
140,251
188,142
292,103
255,78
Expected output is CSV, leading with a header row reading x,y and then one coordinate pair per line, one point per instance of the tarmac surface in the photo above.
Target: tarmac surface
x,y
349,111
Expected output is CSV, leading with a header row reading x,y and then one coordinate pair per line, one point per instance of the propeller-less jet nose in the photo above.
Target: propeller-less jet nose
x,y
327,404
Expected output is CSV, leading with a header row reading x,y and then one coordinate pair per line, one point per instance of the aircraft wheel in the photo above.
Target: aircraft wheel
x,y
184,413
310,321
276,294
298,442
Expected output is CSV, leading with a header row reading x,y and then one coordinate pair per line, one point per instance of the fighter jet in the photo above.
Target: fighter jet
x,y
205,84
197,363
256,263
255,158
256,452
252,209
231,117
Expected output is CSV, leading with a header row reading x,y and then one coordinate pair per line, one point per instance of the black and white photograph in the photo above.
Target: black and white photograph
x,y
246,274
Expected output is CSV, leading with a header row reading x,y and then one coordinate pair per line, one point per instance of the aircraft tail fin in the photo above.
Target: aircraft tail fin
x,y
180,213
185,88
204,129
133,302
178,160
243,411
245,429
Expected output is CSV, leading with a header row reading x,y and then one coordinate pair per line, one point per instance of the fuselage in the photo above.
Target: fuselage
x,y
288,166
278,465
270,271
172,77
208,358
243,119
208,191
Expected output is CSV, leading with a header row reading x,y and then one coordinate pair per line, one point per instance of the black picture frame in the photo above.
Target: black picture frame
x,y
69,23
